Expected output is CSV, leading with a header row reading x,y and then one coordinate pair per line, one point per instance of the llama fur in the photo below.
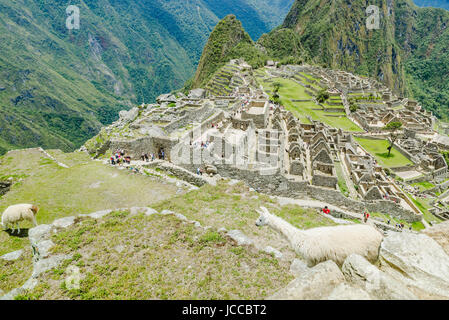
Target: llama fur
x,y
327,243
17,213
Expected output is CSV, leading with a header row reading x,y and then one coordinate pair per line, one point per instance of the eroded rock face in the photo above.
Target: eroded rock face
x,y
197,93
358,271
298,267
346,292
440,233
417,260
315,284
129,116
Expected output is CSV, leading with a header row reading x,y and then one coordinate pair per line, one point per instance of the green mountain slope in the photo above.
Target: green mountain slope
x,y
408,51
58,87
335,33
433,3
227,41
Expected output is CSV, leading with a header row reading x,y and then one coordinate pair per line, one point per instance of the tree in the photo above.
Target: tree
x,y
393,127
352,105
322,96
276,98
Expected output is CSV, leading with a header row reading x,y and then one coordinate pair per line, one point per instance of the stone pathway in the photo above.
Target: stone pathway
x,y
334,210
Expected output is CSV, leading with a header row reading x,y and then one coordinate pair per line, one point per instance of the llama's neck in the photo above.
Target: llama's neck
x,y
291,233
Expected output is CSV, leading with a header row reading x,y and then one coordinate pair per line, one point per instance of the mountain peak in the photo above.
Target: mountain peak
x,y
227,34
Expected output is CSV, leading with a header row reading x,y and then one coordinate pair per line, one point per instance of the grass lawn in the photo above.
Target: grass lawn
x,y
87,186
291,90
424,206
424,185
341,179
378,148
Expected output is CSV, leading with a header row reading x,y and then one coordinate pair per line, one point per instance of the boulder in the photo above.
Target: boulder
x,y
315,284
210,169
12,255
39,233
44,247
64,222
150,211
239,237
275,252
197,93
98,214
439,233
298,267
45,265
357,270
346,292
417,260
129,116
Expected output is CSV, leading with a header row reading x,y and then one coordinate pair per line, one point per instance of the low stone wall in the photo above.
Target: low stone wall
x,y
4,187
180,173
277,184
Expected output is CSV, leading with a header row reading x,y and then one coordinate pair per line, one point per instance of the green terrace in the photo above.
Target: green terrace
x,y
378,148
291,91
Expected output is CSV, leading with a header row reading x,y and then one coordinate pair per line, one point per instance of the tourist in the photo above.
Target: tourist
x,y
326,210
198,171
365,216
146,157
388,222
112,161
142,157
163,154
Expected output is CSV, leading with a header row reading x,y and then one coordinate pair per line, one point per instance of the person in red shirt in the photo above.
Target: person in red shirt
x,y
326,210
365,216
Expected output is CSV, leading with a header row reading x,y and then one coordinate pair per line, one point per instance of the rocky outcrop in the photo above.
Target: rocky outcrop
x,y
129,116
418,261
358,271
440,233
346,292
5,186
314,284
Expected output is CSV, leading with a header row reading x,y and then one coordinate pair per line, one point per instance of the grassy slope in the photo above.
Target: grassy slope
x,y
159,258
86,187
378,148
62,192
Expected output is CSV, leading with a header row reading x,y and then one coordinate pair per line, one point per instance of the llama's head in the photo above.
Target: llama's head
x,y
35,209
262,220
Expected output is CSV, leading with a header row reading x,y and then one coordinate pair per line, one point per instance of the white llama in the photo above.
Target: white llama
x,y
326,243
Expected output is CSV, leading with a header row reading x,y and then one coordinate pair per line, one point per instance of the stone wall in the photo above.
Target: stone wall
x,y
277,184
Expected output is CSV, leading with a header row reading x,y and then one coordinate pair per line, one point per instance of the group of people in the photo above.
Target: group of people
x,y
146,158
399,226
119,158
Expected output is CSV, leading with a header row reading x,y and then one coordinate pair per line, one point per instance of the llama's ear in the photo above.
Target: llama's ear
x,y
265,210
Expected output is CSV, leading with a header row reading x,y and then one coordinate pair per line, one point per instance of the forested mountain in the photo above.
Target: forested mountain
x,y
59,86
408,51
433,3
